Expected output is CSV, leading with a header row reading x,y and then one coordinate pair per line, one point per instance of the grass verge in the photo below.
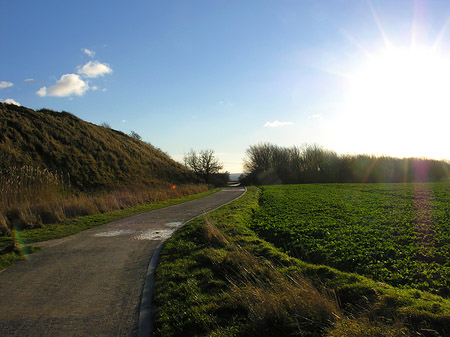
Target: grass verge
x,y
216,277
12,247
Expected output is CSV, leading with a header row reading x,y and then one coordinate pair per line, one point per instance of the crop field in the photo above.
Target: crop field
x,y
394,233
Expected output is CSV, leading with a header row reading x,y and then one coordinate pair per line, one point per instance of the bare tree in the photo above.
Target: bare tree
x,y
135,135
106,125
204,164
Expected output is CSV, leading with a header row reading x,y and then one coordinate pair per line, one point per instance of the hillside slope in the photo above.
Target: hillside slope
x,y
93,156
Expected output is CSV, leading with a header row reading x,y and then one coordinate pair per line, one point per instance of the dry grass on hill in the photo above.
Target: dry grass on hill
x,y
31,197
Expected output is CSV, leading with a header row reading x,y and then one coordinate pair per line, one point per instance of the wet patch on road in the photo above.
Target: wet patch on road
x,y
160,234
115,233
173,224
156,234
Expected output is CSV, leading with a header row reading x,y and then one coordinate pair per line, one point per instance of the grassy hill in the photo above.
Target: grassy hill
x,y
91,156
55,166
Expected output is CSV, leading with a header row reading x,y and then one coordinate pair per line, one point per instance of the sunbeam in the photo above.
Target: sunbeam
x,y
386,40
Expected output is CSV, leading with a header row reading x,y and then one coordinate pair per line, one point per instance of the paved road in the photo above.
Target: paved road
x,y
90,284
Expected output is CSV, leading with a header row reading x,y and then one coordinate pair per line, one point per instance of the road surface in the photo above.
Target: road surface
x,y
91,283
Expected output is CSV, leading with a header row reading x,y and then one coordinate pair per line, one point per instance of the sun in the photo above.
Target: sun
x,y
396,99
398,103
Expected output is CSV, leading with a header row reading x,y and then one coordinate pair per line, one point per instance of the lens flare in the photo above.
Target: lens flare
x,y
423,218
22,248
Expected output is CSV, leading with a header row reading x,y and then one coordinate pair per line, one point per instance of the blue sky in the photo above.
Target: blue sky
x,y
353,76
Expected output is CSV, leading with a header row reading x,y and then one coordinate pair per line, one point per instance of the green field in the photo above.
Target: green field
x,y
393,233
217,277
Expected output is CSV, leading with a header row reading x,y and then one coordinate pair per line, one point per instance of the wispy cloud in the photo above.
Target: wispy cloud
x,y
4,84
94,69
226,103
88,52
317,117
67,85
29,80
10,101
277,123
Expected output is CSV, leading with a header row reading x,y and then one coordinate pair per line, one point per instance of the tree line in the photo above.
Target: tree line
x,y
272,164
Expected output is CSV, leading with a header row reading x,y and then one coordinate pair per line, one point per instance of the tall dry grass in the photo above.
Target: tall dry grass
x,y
30,185
275,304
31,197
280,305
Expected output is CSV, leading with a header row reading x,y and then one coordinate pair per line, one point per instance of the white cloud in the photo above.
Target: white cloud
x,y
94,69
10,101
94,88
42,92
124,120
104,90
89,52
276,124
68,84
29,80
4,84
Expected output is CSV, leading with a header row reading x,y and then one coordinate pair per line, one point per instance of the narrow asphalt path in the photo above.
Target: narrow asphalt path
x,y
91,283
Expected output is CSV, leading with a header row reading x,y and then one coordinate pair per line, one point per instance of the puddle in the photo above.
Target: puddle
x,y
158,234
173,224
115,233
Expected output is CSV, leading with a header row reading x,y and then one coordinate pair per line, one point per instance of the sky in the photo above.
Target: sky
x,y
353,76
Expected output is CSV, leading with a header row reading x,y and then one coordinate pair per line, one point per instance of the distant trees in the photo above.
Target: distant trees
x,y
135,135
206,167
272,164
106,125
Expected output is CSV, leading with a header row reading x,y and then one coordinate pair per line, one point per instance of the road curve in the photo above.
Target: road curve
x,y
91,283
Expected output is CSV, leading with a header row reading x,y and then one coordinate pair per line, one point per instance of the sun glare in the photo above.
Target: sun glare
x,y
398,103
